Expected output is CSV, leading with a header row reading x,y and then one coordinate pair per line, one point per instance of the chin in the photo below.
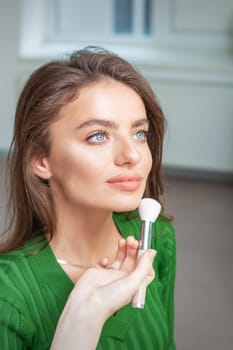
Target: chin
x,y
126,204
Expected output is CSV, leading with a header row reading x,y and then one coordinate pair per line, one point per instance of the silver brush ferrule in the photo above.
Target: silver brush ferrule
x,y
145,234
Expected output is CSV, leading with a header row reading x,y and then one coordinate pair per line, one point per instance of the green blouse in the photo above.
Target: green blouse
x,y
34,290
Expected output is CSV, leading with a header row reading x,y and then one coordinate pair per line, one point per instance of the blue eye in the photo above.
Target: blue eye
x,y
97,137
141,135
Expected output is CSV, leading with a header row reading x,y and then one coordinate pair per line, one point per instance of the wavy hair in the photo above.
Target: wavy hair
x,y
47,90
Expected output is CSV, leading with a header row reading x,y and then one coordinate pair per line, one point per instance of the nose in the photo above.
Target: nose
x,y
126,152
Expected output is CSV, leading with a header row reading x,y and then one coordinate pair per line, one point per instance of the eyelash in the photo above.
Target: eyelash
x,y
105,134
96,133
146,134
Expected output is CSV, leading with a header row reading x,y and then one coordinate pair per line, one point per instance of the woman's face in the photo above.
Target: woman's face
x,y
99,155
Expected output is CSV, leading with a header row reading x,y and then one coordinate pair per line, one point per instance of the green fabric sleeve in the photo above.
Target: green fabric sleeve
x,y
11,324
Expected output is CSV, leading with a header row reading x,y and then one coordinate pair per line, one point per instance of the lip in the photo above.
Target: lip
x,y
126,182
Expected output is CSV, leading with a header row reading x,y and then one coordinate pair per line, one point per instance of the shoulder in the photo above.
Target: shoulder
x,y
15,317
12,268
15,274
10,263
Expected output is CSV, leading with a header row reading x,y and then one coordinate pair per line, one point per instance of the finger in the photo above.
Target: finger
x,y
120,255
150,277
103,263
124,288
129,263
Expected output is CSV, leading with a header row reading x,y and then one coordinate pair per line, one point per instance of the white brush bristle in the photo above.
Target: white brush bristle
x,y
149,209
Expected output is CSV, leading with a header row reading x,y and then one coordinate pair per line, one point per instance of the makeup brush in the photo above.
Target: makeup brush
x,y
149,210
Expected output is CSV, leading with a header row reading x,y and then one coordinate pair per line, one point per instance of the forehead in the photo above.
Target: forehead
x,y
105,98
110,104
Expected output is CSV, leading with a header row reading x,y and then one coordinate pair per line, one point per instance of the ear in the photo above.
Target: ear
x,y
40,167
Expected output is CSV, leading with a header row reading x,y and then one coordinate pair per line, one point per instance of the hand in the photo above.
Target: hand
x,y
111,287
99,293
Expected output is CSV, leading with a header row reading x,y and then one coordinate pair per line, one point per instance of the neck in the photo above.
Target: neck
x,y
85,238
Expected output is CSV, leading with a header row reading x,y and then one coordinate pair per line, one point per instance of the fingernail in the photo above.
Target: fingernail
x,y
152,253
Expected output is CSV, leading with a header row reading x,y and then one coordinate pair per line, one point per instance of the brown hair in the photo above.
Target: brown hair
x,y
47,90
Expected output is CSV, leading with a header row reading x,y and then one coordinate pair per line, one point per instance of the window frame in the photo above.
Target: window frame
x,y
166,45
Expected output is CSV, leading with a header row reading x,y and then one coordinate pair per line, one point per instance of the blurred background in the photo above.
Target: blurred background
x,y
185,50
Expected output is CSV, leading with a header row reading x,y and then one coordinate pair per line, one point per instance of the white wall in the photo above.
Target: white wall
x,y
8,67
12,68
192,74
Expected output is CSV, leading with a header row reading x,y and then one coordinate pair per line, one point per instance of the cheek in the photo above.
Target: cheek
x,y
63,159
71,161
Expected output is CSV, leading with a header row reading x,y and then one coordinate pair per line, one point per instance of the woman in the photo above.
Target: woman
x,y
87,147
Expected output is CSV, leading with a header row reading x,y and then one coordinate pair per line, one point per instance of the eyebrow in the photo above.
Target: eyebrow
x,y
110,123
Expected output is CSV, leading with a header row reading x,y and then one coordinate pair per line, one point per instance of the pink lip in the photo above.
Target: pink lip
x,y
126,182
